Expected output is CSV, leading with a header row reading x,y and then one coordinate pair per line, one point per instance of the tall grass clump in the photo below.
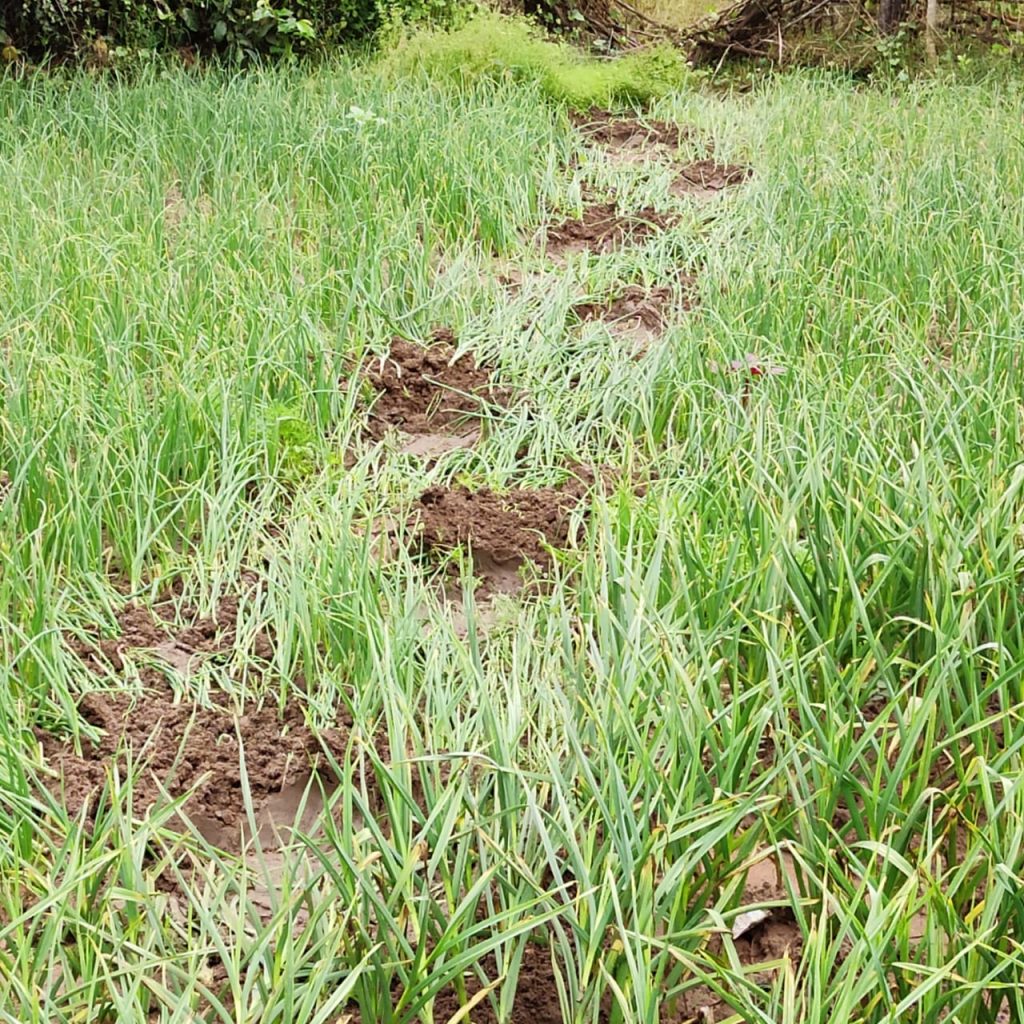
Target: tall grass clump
x,y
491,46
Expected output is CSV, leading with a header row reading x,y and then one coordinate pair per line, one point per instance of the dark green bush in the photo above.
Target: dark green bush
x,y
101,30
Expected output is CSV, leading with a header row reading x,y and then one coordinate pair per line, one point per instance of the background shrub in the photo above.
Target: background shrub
x,y
101,30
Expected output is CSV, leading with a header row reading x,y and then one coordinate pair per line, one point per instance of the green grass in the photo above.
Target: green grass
x,y
829,570
493,47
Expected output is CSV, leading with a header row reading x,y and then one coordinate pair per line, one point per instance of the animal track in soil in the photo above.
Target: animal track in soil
x,y
434,397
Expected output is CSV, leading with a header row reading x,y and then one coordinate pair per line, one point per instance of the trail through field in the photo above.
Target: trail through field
x,y
642,646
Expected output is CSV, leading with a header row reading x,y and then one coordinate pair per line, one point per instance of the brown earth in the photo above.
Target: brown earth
x,y
703,177
503,530
636,310
628,134
536,1000
601,229
630,141
431,395
177,745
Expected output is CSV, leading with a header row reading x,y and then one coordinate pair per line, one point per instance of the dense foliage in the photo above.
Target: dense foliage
x,y
789,631
99,29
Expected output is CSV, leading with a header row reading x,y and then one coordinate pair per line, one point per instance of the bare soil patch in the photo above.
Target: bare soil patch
x,y
629,136
536,1000
503,531
177,209
431,395
706,177
759,937
768,938
175,746
602,229
637,312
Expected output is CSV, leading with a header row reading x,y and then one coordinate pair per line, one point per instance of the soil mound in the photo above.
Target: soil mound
x,y
636,309
181,648
602,229
628,134
176,746
707,176
429,393
503,530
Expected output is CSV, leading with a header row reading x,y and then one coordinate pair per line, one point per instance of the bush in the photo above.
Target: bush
x,y
100,30
494,46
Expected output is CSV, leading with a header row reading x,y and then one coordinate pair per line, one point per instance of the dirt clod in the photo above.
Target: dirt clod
x,y
601,229
536,992
637,311
176,745
503,530
706,176
430,394
628,134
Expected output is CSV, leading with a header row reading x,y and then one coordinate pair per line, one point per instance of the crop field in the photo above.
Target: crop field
x,y
467,562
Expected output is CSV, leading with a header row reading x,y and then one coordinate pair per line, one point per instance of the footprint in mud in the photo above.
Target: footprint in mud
x,y
430,395
276,860
503,531
637,313
602,229
629,140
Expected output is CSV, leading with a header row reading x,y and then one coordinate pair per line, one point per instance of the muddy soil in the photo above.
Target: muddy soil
x,y
536,1000
430,395
176,746
706,177
503,531
182,648
636,311
759,937
628,135
602,229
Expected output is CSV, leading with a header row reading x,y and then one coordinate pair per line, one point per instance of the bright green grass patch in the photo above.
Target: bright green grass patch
x,y
496,47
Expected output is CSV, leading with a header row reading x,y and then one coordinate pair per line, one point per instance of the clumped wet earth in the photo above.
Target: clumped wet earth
x,y
430,394
633,142
173,746
601,228
636,310
708,176
602,127
501,530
